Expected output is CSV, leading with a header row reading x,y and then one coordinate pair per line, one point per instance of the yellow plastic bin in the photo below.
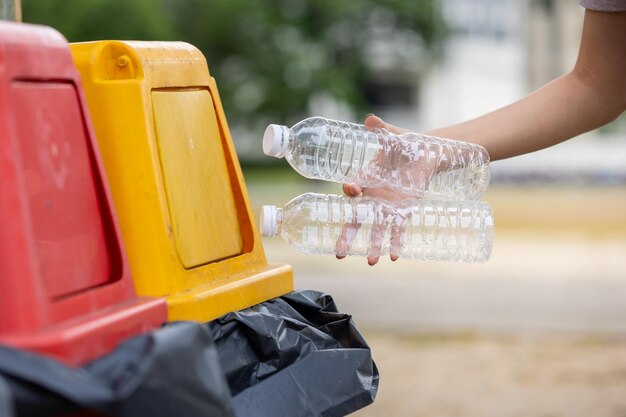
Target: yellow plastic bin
x,y
176,182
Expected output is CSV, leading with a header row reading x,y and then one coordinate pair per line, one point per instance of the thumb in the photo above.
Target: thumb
x,y
372,122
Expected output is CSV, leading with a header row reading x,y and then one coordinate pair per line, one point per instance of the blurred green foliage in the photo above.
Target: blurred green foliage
x,y
270,57
86,20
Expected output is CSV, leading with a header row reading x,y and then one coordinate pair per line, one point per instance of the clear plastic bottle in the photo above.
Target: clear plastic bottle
x,y
437,230
413,164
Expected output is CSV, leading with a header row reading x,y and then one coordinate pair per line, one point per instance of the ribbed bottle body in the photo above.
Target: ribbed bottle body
x,y
415,165
437,230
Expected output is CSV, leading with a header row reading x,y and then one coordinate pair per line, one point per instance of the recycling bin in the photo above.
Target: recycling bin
x,y
175,179
65,284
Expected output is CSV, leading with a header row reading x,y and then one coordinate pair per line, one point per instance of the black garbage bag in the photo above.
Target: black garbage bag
x,y
6,399
295,355
173,371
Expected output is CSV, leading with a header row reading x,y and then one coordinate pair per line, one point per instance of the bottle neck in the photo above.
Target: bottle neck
x,y
271,221
278,228
287,138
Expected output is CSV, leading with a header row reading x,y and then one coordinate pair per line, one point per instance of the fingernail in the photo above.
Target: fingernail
x,y
394,258
368,115
353,189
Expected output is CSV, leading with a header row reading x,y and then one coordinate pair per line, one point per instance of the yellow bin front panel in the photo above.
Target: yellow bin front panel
x,y
176,182
195,176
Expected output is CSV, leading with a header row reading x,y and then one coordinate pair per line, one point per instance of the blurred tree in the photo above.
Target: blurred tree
x,y
87,20
270,57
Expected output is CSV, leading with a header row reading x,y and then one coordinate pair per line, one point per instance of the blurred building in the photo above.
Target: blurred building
x,y
499,51
551,37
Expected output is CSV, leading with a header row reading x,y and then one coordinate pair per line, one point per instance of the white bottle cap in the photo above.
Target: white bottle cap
x,y
268,220
276,140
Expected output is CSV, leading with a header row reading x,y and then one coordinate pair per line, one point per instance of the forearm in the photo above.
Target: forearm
x,y
560,110
591,95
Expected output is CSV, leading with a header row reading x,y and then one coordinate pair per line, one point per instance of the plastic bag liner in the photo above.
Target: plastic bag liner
x,y
291,356
6,400
173,371
295,356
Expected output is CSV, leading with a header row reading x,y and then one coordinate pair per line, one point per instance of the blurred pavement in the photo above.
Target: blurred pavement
x,y
531,284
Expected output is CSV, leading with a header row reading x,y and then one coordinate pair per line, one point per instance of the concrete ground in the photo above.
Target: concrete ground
x,y
472,375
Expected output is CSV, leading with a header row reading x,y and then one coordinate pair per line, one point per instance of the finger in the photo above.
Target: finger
x,y
349,230
372,122
396,242
377,235
398,233
348,234
376,243
352,190
383,193
341,248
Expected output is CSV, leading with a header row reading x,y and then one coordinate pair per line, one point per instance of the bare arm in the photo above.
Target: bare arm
x,y
591,95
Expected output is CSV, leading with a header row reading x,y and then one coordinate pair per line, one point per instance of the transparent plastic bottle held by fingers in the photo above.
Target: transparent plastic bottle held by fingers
x,y
437,230
413,164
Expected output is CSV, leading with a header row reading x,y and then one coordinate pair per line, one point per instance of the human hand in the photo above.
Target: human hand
x,y
398,217
354,190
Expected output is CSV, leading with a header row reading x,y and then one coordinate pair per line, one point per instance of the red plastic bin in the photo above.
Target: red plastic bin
x,y
65,286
